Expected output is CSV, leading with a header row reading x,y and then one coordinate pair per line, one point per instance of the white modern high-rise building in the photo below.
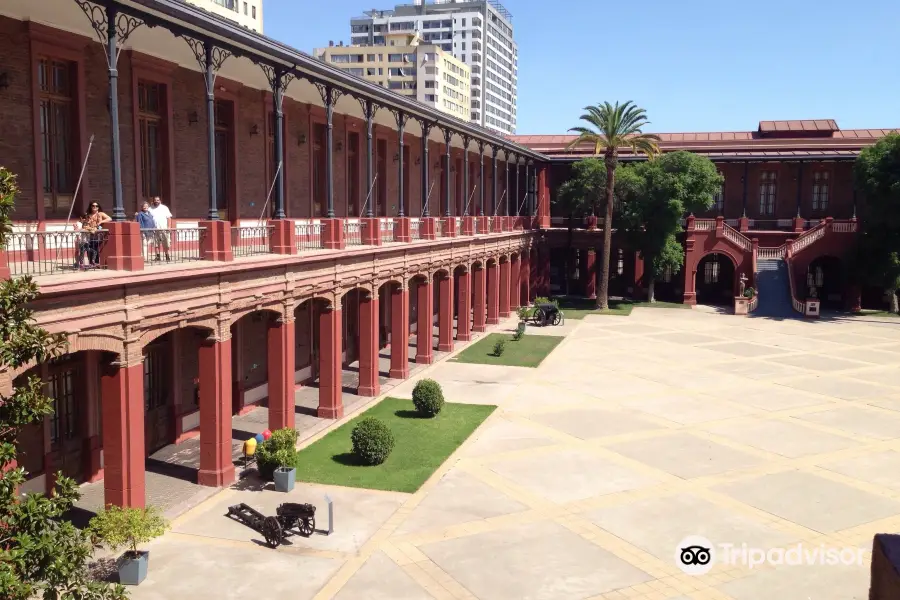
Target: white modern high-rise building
x,y
478,32
244,12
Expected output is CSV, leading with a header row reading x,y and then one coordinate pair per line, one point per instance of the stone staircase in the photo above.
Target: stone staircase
x,y
774,290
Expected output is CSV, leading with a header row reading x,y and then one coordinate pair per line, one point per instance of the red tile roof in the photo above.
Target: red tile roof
x,y
814,137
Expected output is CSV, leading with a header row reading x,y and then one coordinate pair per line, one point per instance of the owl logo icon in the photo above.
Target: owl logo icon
x,y
695,555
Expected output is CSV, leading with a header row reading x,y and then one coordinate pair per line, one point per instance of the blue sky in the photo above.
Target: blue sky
x,y
695,65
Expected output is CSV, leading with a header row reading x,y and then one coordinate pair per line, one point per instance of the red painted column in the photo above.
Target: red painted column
x,y
480,293
590,274
638,277
514,276
464,308
504,288
282,345
445,313
368,346
331,404
399,332
424,339
93,444
526,279
216,468
493,294
122,398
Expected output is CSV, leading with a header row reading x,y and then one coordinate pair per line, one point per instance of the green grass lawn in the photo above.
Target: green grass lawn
x,y
578,309
866,312
420,447
527,352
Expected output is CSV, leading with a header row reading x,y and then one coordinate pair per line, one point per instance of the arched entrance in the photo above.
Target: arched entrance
x,y
826,275
250,358
306,356
715,280
69,439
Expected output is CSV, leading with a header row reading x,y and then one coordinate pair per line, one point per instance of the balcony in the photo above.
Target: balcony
x,y
58,257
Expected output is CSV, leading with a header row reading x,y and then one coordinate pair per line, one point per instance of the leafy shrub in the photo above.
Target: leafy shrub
x,y
428,397
545,300
523,312
277,451
499,347
749,292
118,526
372,441
519,333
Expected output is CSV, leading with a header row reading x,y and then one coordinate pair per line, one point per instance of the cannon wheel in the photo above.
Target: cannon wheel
x,y
557,318
272,531
307,526
538,317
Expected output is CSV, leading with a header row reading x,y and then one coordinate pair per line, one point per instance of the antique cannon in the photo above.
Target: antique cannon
x,y
289,516
547,314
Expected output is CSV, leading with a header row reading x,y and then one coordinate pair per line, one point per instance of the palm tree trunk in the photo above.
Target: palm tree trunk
x,y
894,307
603,296
651,291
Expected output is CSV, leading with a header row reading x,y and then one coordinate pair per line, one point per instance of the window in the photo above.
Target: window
x,y
57,107
357,72
711,271
767,185
64,420
719,200
253,9
245,8
430,85
371,71
395,58
820,191
620,262
431,98
340,58
370,57
150,126
224,121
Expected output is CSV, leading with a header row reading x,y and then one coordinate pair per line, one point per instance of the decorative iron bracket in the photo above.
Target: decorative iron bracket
x,y
330,94
400,117
448,135
369,108
125,25
218,56
427,125
279,79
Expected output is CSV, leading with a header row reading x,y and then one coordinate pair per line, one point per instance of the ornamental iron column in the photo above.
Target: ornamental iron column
x,y
744,181
113,30
448,138
279,79
466,141
799,186
401,118
494,208
210,59
330,95
426,131
518,177
506,185
369,109
531,184
480,212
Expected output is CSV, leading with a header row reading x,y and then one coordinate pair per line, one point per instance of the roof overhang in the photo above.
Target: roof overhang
x,y
186,19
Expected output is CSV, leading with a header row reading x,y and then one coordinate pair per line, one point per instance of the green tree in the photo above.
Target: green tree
x,y
610,127
656,195
41,554
580,196
877,173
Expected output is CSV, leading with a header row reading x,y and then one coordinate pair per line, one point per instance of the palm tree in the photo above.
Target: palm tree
x,y
611,127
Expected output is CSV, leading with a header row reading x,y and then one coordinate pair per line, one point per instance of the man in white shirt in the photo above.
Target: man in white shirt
x,y
161,215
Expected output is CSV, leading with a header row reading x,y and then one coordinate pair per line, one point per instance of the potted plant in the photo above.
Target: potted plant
x,y
749,293
275,458
118,527
285,474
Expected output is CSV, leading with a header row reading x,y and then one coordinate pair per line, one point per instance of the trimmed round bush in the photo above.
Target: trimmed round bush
x,y
428,397
372,441
277,451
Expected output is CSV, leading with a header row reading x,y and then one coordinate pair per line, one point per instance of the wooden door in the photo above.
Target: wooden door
x,y
157,399
67,423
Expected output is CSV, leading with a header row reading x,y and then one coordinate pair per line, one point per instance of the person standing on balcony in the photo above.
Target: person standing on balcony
x,y
161,215
148,226
91,223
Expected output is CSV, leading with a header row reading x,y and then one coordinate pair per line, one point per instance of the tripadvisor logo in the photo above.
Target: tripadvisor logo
x,y
696,555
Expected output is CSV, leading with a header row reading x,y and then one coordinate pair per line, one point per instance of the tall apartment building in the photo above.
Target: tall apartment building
x,y
247,13
478,32
409,66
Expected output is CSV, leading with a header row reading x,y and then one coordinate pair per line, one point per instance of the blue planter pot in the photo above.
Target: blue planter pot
x,y
133,567
285,478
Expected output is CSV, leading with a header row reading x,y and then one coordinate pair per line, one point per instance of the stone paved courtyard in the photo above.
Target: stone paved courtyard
x,y
635,433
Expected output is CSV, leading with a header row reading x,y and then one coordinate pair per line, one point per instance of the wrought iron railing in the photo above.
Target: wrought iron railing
x,y
844,227
251,241
459,227
54,252
415,232
352,232
387,229
309,235
167,246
